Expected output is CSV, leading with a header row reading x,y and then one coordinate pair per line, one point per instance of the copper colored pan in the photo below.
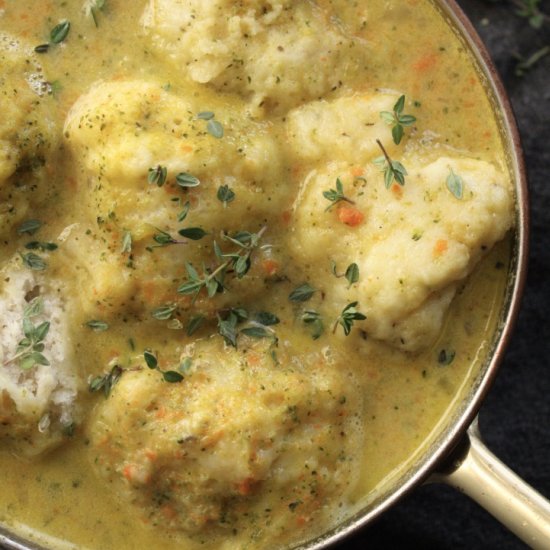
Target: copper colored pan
x,y
457,455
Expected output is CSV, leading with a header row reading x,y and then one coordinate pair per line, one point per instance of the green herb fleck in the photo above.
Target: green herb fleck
x,y
60,32
44,247
455,184
157,175
302,293
97,326
107,381
225,194
315,321
150,359
33,261
215,129
336,195
163,313
349,315
194,324
30,227
393,169
193,233
28,353
126,242
206,115
186,180
397,120
446,357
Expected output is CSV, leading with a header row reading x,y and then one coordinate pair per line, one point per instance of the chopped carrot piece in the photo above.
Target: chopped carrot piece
x,y
270,267
245,486
425,62
441,246
286,216
397,190
357,172
350,215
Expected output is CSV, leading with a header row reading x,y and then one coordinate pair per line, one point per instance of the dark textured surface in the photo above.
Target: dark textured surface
x,y
515,417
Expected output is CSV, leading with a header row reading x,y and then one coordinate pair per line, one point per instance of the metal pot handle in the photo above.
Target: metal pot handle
x,y
475,471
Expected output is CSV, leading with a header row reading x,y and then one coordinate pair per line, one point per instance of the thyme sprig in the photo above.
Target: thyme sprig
x,y
336,195
237,262
393,169
349,315
397,120
29,350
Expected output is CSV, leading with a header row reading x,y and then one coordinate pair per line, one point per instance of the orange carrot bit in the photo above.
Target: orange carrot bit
x,y
357,172
150,454
160,414
286,216
245,487
441,246
397,190
425,62
301,521
350,215
128,472
270,267
169,512
186,148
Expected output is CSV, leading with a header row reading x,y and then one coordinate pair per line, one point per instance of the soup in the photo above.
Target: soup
x,y
252,255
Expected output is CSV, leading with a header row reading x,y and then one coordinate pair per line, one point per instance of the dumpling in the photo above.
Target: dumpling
x,y
277,53
412,243
38,386
179,451
345,128
118,132
27,133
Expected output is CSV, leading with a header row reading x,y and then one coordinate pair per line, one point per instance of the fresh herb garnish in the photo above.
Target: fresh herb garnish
x,y
33,261
446,357
60,32
227,328
30,227
238,262
206,115
186,180
94,7
42,48
455,184
349,315
44,247
193,233
266,319
351,274
126,242
397,120
393,169
194,324
157,175
107,381
215,128
170,376
97,325
184,211
29,350
302,293
225,194
314,319
163,313
336,195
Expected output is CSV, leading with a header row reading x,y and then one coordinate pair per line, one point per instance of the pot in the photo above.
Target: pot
x,y
457,456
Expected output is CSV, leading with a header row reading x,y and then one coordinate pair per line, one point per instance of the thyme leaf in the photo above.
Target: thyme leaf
x,y
349,315
393,169
302,293
397,120
336,195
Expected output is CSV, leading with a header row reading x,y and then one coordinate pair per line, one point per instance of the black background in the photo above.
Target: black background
x,y
515,417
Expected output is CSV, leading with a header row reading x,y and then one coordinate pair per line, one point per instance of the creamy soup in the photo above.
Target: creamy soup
x,y
252,254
